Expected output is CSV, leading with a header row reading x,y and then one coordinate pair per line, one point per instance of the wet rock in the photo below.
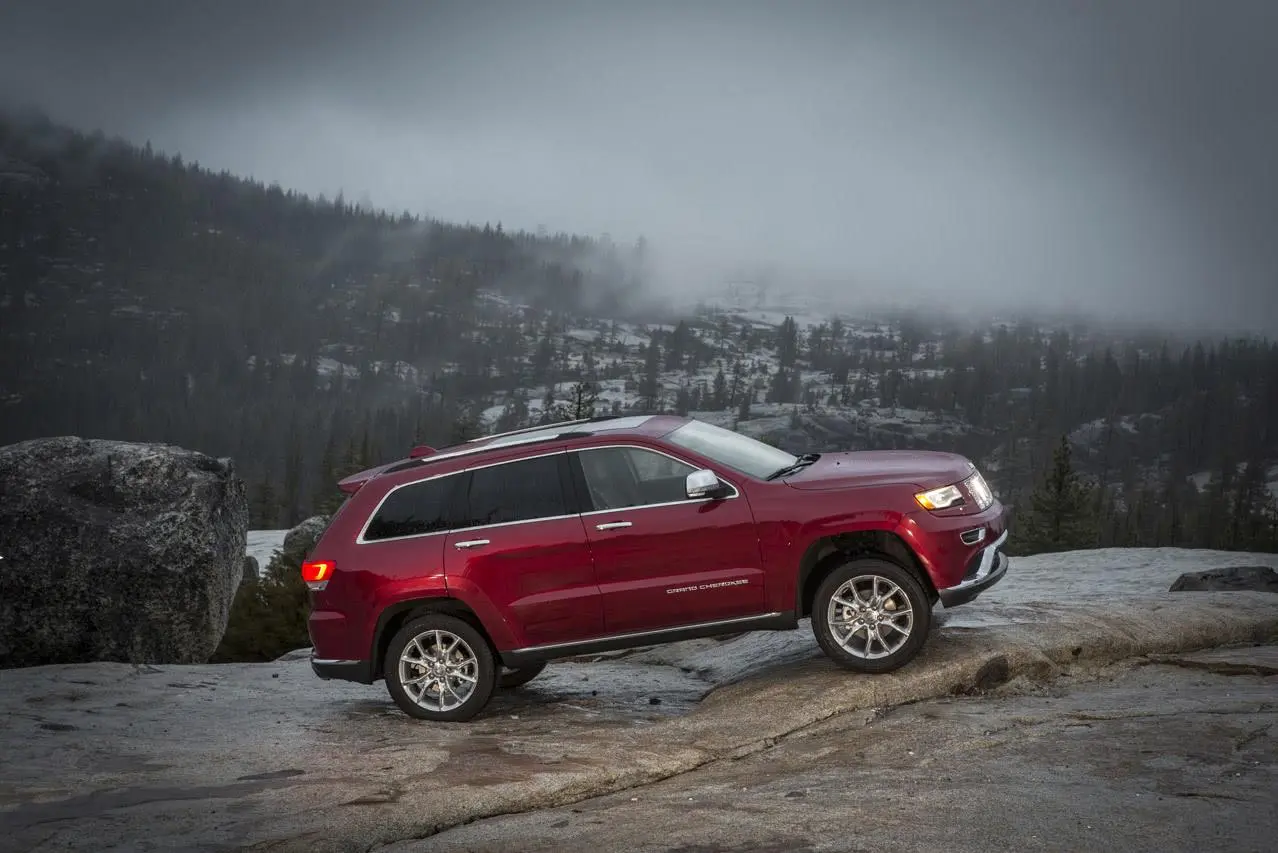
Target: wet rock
x,y
1254,578
992,673
116,551
302,538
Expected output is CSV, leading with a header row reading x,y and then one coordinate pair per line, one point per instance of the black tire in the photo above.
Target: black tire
x,y
480,664
904,585
517,677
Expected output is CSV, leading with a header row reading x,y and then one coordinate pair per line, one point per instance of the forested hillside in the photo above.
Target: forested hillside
x,y
145,298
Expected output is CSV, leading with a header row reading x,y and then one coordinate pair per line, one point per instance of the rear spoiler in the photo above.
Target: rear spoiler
x,y
352,484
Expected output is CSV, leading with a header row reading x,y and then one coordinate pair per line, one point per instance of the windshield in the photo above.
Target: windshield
x,y
732,449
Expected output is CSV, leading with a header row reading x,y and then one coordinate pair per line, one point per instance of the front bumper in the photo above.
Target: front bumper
x,y
989,566
360,671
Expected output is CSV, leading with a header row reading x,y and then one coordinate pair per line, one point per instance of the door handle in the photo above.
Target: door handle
x,y
612,525
470,543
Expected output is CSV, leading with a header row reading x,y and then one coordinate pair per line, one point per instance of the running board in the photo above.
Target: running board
x,y
778,621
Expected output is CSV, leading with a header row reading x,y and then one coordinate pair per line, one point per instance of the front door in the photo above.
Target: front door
x,y
661,559
519,543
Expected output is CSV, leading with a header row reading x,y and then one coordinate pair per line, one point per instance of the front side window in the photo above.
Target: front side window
x,y
515,491
620,477
732,449
413,509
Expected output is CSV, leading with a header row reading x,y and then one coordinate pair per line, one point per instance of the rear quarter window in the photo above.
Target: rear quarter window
x,y
413,510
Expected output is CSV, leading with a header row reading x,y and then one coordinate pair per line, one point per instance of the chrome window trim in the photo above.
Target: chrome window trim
x,y
360,540
736,492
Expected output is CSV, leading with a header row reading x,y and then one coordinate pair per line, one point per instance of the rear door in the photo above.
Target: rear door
x,y
518,541
663,560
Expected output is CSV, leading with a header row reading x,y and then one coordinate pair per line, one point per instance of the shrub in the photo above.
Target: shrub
x,y
268,616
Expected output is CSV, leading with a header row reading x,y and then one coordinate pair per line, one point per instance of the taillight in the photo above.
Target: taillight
x,y
317,572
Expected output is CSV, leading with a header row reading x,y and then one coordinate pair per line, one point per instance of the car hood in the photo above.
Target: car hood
x,y
926,469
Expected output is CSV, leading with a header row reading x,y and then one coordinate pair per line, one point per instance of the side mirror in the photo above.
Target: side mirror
x,y
705,483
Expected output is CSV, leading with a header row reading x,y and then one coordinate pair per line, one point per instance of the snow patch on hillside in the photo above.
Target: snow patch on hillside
x,y
263,545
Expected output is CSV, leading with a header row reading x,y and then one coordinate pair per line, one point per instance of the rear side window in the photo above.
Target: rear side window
x,y
516,491
413,510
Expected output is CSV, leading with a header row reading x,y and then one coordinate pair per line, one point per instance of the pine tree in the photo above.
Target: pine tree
x,y
1246,520
650,385
1060,517
743,410
718,397
514,415
264,508
583,399
465,426
683,401
784,386
291,499
327,498
788,343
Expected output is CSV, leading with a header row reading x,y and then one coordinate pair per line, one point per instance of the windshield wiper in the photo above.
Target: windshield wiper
x,y
798,465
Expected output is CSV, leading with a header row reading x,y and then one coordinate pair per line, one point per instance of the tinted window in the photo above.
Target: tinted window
x,y
412,510
516,491
619,477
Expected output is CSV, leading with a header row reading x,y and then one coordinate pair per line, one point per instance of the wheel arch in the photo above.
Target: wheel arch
x,y
396,615
829,552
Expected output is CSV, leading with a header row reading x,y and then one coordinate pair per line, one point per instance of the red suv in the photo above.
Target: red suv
x,y
453,572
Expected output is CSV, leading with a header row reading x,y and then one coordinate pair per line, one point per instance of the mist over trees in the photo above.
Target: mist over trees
x,y
145,298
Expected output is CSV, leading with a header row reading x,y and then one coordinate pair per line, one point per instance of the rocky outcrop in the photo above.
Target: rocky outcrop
x,y
1256,578
114,551
302,538
252,571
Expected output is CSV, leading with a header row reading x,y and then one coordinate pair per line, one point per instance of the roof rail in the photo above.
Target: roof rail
x,y
549,432
540,427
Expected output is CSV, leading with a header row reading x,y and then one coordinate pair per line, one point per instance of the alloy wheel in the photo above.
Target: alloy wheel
x,y
438,670
870,616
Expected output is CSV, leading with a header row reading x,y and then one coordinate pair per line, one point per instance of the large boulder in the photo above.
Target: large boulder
x,y
1257,578
114,551
302,538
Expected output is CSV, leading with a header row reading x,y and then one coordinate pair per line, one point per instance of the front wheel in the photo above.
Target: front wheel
x,y
439,667
518,676
871,616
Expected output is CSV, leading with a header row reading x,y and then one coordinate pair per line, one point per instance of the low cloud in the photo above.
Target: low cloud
x,y
1116,159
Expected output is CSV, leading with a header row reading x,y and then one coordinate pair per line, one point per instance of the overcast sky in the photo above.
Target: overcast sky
x,y
1118,156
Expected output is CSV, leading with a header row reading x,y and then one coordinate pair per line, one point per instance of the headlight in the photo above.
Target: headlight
x,y
942,498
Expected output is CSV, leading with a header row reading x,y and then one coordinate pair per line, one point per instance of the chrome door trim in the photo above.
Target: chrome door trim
x,y
611,637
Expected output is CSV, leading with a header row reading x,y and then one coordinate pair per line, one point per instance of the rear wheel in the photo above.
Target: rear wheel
x,y
439,667
871,616
518,676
